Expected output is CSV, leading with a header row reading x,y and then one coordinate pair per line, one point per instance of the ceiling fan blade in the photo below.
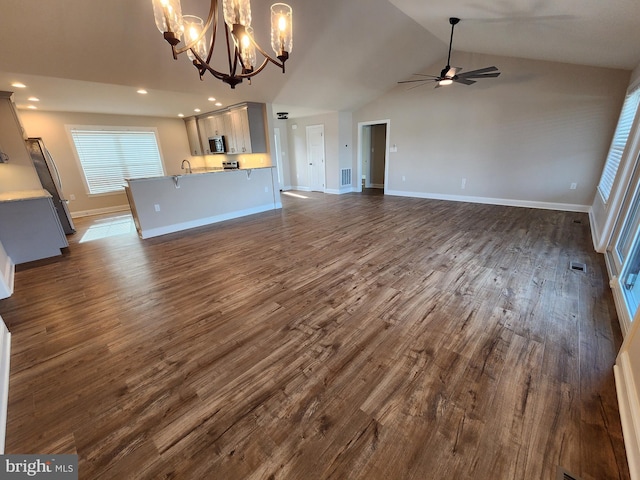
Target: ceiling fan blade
x,y
486,75
482,70
418,80
464,81
424,75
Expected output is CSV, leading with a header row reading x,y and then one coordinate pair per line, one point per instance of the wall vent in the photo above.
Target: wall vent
x,y
578,267
345,177
562,474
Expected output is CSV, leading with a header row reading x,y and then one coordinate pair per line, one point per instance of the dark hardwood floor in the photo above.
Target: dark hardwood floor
x,y
344,337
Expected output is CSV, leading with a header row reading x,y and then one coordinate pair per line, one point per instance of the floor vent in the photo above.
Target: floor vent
x,y
578,267
345,177
564,475
577,221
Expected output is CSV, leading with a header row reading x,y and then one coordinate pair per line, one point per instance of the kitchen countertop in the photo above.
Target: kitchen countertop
x,y
199,171
24,195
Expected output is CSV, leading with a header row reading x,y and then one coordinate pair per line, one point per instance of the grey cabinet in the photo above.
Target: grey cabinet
x,y
31,228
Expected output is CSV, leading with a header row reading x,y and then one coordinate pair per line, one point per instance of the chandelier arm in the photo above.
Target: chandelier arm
x,y
233,64
214,31
267,57
213,12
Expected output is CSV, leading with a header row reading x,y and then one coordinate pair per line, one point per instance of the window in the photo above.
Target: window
x,y
109,156
619,143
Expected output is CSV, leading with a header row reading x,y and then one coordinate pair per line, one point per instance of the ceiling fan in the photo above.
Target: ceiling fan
x,y
450,74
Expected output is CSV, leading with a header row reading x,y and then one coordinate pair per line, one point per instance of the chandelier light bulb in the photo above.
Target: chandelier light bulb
x,y
193,27
168,17
281,29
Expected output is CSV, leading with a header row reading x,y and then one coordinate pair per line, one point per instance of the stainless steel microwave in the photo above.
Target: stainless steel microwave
x,y
217,144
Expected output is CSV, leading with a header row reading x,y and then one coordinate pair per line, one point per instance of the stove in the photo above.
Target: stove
x,y
230,165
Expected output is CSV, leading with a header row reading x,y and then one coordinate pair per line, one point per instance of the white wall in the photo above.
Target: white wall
x,y
285,150
522,138
297,136
174,147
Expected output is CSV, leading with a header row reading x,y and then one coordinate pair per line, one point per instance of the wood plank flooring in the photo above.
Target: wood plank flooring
x,y
344,337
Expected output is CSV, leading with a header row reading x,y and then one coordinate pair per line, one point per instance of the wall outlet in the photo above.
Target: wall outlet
x,y
393,148
404,179
266,189
463,183
157,207
573,186
72,197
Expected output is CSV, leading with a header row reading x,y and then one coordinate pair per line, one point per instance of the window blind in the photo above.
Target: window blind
x,y
108,157
618,144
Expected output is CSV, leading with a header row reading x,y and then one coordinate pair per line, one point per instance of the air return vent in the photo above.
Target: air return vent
x,y
578,267
564,475
345,177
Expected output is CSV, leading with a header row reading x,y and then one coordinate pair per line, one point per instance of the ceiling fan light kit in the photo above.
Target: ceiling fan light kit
x,y
449,74
193,32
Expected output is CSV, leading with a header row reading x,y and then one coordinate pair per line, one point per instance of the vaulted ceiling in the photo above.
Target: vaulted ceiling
x,y
93,56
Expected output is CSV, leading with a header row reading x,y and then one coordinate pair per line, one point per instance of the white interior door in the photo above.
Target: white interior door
x,y
315,157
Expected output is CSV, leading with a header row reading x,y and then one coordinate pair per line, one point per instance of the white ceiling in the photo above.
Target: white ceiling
x,y
93,56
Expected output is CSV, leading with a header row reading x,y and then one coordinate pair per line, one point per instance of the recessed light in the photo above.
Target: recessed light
x,y
18,85
32,107
218,104
211,99
181,115
33,99
196,110
142,91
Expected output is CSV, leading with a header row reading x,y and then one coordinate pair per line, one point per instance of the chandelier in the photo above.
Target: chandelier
x,y
241,46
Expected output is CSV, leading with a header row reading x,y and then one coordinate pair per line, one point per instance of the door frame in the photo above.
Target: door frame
x,y
361,126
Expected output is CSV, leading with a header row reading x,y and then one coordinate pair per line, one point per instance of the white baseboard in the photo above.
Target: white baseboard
x,y
629,412
201,222
100,211
567,207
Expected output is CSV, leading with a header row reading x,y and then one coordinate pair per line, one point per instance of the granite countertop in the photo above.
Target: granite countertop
x,y
199,171
21,195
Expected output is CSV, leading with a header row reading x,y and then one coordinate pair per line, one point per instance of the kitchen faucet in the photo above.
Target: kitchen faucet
x,y
187,170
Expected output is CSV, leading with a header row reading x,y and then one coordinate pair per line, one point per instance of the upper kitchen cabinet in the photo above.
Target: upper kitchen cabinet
x,y
248,123
210,125
193,136
243,127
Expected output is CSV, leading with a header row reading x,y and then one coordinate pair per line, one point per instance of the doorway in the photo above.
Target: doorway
x,y
373,151
315,157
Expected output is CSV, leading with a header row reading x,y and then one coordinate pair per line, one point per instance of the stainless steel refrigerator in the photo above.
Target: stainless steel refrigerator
x,y
50,180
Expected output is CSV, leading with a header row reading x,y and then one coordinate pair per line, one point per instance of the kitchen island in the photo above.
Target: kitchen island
x,y
173,203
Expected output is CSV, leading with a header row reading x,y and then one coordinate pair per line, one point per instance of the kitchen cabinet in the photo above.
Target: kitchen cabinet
x,y
31,229
230,134
248,126
243,127
193,135
211,125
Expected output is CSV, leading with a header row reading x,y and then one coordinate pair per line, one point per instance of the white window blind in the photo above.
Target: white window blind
x,y
108,157
619,143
